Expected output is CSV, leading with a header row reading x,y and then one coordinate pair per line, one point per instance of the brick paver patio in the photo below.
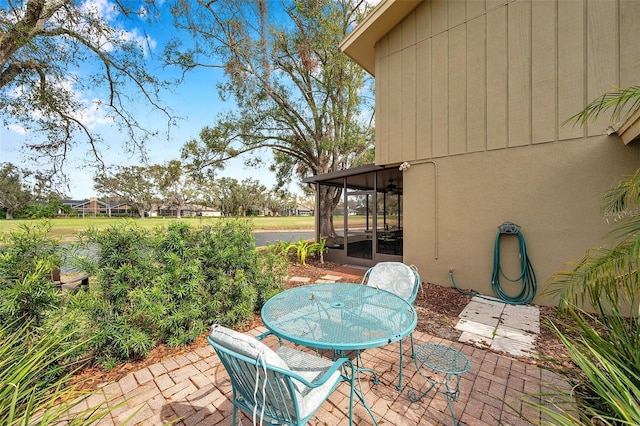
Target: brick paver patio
x,y
194,389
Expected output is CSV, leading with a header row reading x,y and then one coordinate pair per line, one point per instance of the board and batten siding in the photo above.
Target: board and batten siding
x,y
457,77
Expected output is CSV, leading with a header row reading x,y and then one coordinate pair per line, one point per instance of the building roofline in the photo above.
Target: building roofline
x,y
343,173
359,45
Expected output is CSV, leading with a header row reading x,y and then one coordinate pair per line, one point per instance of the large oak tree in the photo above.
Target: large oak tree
x,y
53,50
295,93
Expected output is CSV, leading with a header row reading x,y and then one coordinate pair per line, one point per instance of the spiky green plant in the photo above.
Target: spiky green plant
x,y
30,396
622,102
303,249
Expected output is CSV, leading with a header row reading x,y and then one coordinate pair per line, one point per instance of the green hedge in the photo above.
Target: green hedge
x,y
165,285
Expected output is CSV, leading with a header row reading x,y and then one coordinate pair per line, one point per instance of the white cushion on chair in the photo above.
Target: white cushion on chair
x,y
245,345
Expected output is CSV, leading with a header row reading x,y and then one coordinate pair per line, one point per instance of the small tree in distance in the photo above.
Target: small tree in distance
x,y
15,190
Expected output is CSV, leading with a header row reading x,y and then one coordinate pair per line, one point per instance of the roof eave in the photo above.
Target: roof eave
x,y
630,129
359,45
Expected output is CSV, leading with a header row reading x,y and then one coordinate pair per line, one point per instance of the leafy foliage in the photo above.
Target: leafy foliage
x,y
297,94
135,185
169,286
124,272
43,44
622,102
15,191
303,249
27,292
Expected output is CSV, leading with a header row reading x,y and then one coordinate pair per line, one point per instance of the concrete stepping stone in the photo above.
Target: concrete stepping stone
x,y
500,326
512,347
300,279
331,278
476,328
482,311
475,340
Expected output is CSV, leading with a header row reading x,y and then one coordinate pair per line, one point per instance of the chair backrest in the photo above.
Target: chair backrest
x,y
395,277
258,375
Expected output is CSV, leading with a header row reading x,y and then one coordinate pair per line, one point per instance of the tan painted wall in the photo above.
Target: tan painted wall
x,y
482,88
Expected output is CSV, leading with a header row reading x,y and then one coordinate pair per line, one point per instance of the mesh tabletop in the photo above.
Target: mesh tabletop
x,y
339,316
442,359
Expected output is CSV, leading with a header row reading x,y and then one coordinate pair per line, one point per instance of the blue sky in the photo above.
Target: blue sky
x,y
196,101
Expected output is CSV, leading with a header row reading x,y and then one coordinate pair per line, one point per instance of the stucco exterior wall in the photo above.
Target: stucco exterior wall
x,y
474,95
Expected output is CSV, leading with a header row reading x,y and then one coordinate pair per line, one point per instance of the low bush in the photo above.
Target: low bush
x,y
147,287
27,293
170,285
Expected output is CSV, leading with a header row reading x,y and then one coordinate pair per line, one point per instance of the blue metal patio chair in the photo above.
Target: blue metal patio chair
x,y
285,386
400,279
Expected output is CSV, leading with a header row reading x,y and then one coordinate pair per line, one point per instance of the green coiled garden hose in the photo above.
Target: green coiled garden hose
x,y
527,275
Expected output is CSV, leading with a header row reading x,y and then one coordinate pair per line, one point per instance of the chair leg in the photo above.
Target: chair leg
x,y
352,384
233,417
400,378
413,351
413,355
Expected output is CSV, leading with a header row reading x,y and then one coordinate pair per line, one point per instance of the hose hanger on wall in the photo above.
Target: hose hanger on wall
x,y
527,277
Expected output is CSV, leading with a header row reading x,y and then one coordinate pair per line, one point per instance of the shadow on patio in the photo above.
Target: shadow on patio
x,y
194,389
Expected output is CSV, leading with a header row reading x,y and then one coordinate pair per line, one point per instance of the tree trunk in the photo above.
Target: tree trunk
x,y
9,214
329,197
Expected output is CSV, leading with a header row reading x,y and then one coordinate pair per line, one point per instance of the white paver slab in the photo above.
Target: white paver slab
x,y
478,328
474,339
507,328
512,347
485,313
526,318
331,278
524,324
515,334
526,310
300,279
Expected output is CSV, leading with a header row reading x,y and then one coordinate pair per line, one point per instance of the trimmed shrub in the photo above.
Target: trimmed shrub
x,y
27,292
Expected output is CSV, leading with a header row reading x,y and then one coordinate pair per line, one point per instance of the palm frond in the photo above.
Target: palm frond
x,y
623,200
623,101
611,273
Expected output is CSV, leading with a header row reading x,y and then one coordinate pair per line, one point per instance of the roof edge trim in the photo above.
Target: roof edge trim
x,y
360,43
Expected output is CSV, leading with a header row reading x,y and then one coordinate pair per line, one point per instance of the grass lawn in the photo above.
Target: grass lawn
x,y
67,228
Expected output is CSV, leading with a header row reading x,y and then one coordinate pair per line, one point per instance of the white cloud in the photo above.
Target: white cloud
x,y
93,114
107,12
100,9
144,42
16,128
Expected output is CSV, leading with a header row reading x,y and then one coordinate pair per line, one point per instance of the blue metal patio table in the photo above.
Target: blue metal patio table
x,y
340,317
